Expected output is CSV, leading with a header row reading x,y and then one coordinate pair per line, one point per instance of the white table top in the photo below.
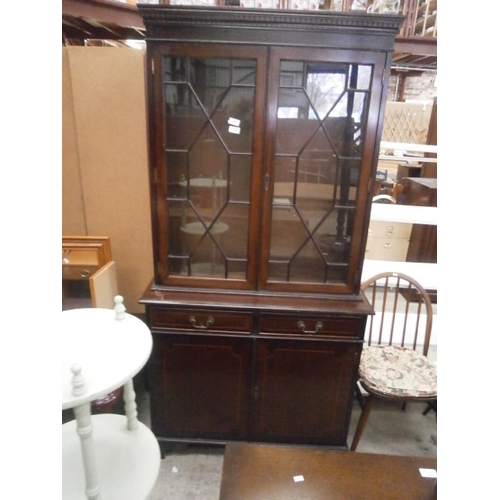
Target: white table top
x,y
109,351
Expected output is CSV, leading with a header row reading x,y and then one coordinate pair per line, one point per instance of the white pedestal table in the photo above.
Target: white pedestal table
x,y
106,456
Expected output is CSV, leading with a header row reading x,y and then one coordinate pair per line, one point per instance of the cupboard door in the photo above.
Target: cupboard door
x,y
321,109
208,162
200,386
303,390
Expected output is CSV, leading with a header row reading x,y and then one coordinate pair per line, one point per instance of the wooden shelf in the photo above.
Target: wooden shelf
x,y
426,19
404,213
424,272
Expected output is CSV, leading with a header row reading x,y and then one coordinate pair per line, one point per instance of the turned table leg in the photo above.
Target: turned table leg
x,y
130,405
84,430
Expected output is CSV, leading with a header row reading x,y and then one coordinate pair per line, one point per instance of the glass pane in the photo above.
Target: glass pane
x,y
234,244
240,175
321,118
208,156
233,120
177,171
208,145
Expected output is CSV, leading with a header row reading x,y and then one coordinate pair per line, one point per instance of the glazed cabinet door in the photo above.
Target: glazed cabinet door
x,y
303,391
207,158
322,110
263,158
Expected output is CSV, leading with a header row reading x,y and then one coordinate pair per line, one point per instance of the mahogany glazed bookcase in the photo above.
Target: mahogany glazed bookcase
x,y
264,130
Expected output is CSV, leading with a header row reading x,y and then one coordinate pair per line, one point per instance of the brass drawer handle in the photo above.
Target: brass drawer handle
x,y
302,327
85,273
208,324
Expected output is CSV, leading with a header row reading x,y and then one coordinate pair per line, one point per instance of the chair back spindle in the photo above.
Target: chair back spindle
x,y
403,312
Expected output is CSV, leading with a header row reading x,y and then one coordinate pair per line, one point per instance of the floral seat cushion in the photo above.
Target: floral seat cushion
x,y
398,371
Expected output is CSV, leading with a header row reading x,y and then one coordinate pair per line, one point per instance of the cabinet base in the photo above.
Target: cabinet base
x,y
172,444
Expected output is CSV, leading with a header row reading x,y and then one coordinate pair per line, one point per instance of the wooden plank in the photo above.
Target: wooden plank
x,y
103,286
425,273
410,214
108,11
405,146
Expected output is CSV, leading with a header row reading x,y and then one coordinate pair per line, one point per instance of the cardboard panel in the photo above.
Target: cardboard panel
x,y
73,213
109,105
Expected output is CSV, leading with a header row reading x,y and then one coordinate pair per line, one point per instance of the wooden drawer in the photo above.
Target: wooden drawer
x,y
200,320
393,249
383,229
309,325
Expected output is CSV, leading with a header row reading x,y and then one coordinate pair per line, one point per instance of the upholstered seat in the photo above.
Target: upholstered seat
x,y
398,371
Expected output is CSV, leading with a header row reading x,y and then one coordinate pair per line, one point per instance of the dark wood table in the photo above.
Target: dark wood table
x,y
271,472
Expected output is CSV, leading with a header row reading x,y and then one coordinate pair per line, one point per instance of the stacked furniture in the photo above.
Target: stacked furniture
x,y
88,272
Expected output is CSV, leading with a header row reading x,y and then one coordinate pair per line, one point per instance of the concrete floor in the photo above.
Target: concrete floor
x,y
195,473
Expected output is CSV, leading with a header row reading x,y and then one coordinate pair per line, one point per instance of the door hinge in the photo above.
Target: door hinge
x,y
256,392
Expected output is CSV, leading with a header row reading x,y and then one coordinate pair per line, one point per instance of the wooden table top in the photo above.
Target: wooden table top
x,y
272,472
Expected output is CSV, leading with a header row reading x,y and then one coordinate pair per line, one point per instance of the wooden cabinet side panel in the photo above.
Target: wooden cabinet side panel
x,y
423,245
423,242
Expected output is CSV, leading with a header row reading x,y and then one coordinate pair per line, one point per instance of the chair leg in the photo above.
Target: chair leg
x,y
359,396
362,422
432,405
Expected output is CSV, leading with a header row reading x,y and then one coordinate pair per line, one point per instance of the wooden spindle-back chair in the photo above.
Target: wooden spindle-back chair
x,y
394,363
